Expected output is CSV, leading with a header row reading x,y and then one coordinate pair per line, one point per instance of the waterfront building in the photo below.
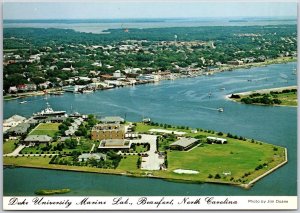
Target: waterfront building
x,y
20,129
117,74
216,140
13,121
108,131
13,89
112,119
235,62
184,143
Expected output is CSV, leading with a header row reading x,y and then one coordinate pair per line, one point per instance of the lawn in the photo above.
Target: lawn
x,y
27,161
41,162
237,157
289,99
8,146
84,146
45,129
140,148
129,163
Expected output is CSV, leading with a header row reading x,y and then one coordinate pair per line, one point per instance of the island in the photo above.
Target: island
x,y
283,96
85,143
51,191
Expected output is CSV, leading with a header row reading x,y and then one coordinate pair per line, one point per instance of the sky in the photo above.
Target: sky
x,y
145,9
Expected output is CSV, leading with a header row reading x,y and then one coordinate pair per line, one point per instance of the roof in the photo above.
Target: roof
x,y
217,139
114,143
56,119
38,138
20,128
32,121
64,138
108,127
184,142
15,118
96,156
112,119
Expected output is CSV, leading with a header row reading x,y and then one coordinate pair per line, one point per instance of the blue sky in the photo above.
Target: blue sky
x,y
147,9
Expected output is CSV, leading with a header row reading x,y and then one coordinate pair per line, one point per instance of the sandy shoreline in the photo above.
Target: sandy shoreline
x,y
263,91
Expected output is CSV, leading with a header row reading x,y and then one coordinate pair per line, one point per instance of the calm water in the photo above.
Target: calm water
x,y
98,26
179,102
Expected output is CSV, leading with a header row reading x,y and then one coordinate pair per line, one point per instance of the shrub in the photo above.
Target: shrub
x,y
217,176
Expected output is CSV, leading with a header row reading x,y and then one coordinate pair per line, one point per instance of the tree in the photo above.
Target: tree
x,y
138,163
71,143
217,176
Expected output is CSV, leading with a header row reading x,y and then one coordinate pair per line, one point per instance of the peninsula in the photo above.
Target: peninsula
x,y
283,96
84,143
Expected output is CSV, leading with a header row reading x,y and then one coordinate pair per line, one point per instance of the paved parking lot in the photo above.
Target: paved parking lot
x,y
152,162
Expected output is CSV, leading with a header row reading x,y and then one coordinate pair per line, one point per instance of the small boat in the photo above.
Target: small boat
x,y
221,110
57,93
222,88
23,102
87,91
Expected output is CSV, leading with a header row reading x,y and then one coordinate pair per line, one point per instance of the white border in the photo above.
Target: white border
x,y
243,201
152,203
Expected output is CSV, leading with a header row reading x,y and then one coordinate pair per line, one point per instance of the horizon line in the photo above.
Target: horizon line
x,y
147,18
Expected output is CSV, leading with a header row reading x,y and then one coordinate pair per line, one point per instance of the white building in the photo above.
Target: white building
x,y
117,74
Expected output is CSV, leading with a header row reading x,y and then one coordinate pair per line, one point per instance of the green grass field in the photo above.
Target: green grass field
x,y
8,146
129,163
289,99
45,129
244,159
237,157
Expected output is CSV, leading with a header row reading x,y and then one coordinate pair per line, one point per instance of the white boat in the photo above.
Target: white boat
x,y
23,102
221,110
49,112
87,91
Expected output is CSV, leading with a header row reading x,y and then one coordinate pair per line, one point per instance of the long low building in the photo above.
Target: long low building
x,y
37,139
184,143
87,156
216,140
20,129
114,144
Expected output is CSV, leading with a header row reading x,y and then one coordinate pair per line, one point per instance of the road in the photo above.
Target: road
x,y
152,162
15,152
